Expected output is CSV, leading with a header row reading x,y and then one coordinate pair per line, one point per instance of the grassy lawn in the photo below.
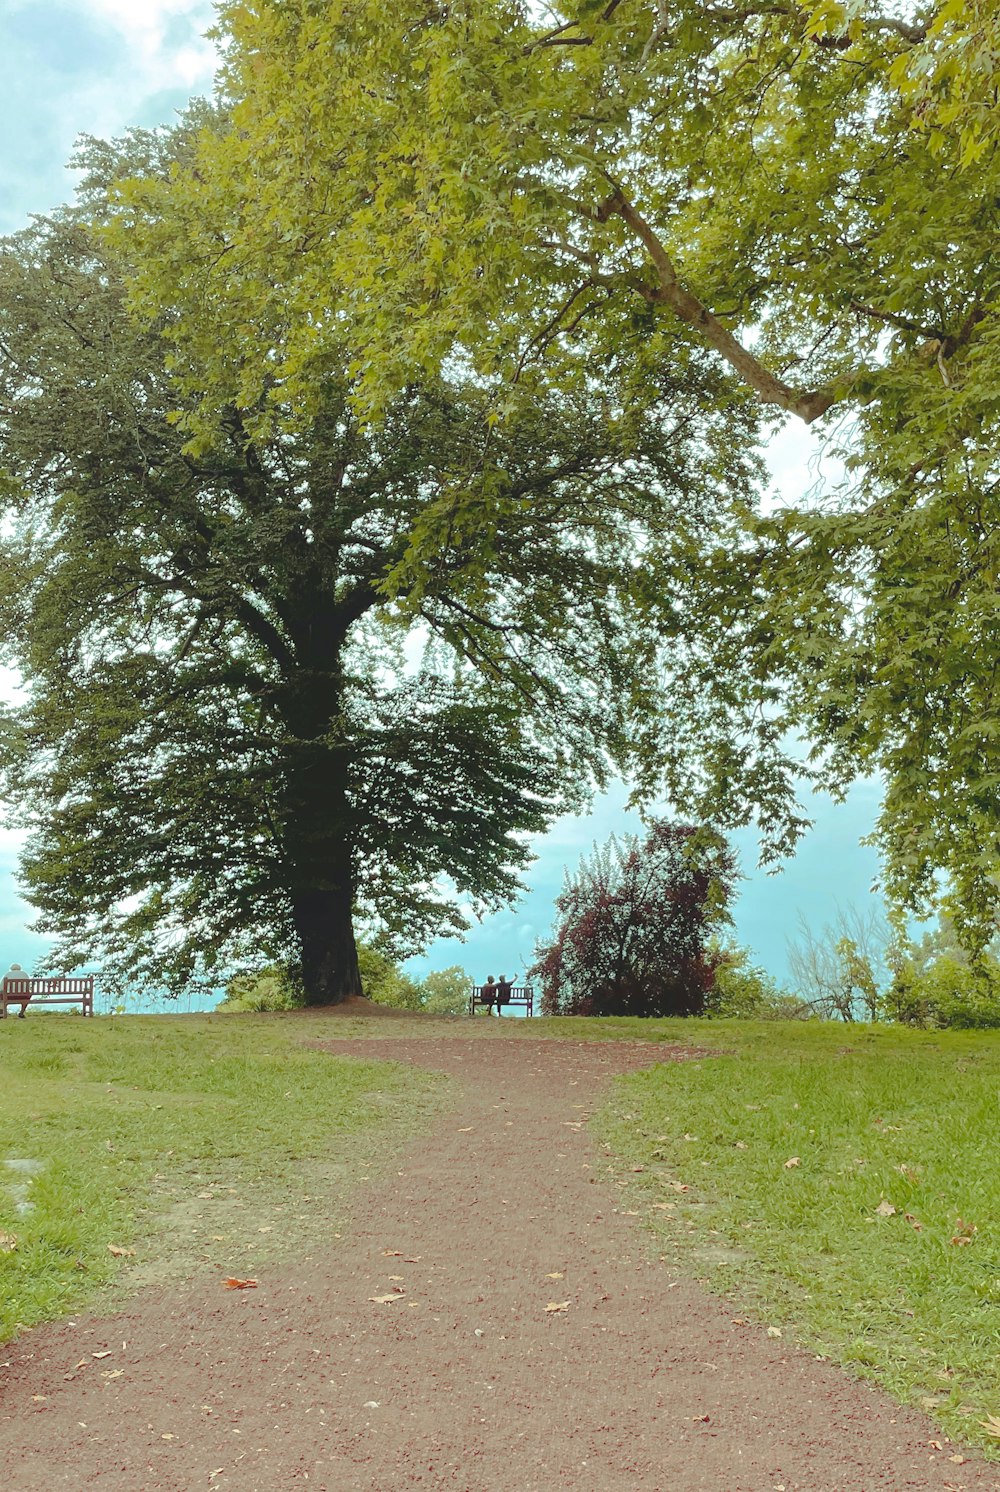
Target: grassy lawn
x,y
842,1183
192,1141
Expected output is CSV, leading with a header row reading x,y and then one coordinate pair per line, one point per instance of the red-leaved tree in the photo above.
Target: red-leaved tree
x,y
631,938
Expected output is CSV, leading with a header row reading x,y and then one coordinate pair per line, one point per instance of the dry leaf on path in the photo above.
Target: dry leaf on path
x,y
991,1424
387,1299
556,1305
100,1354
235,1284
120,1253
392,1253
556,1276
792,1162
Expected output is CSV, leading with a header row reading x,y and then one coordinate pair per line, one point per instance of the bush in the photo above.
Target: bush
x,y
275,987
744,991
384,983
946,992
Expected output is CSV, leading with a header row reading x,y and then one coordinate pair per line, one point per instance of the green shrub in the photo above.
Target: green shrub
x,y
744,991
275,987
947,992
384,983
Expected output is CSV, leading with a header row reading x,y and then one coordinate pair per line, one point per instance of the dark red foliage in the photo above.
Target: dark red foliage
x,y
633,926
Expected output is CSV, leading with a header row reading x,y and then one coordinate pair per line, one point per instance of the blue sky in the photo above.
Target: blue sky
x,y
99,66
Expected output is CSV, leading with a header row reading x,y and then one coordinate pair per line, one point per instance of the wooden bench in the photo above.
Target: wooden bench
x,y
521,994
16,989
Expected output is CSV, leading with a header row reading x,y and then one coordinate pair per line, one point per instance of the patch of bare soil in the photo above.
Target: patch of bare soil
x,y
491,1322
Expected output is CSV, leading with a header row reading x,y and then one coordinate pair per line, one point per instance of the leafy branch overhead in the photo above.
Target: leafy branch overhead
x,y
797,201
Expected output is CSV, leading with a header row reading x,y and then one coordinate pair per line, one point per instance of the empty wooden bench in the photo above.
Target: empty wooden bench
x,y
19,989
521,994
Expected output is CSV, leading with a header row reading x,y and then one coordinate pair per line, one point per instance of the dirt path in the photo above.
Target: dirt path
x,y
465,1381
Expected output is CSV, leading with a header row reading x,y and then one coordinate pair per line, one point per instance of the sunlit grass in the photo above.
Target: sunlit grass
x,y
843,1183
190,1141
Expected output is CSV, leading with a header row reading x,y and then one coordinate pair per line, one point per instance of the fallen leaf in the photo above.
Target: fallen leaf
x,y
964,1233
205,1196
8,1243
114,1373
556,1276
677,1186
392,1253
120,1253
387,1299
414,1260
739,1145
935,1445
168,1436
885,1209
774,1331
397,1278
792,1163
466,1131
958,1460
235,1284
100,1354
556,1305
991,1424
39,1398
917,1227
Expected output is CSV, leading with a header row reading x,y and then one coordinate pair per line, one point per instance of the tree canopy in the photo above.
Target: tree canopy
x,y
634,925
238,735
800,197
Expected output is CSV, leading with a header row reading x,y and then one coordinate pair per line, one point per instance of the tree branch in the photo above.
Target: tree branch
x,y
670,292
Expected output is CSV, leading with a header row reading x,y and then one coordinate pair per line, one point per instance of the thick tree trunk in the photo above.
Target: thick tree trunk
x,y
324,923
318,819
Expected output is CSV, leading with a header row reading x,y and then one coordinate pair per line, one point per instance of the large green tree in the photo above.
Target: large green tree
x,y
247,721
805,192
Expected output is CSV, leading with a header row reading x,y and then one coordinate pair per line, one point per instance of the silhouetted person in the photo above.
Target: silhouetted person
x,y
504,991
488,993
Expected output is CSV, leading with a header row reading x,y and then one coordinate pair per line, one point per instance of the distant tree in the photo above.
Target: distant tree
x,y
446,991
634,925
843,970
248,724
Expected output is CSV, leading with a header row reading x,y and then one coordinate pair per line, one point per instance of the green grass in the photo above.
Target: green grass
x,y
193,1141
873,1117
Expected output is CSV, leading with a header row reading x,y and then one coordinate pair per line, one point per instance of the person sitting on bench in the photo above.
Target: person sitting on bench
x,y
16,972
504,991
488,994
